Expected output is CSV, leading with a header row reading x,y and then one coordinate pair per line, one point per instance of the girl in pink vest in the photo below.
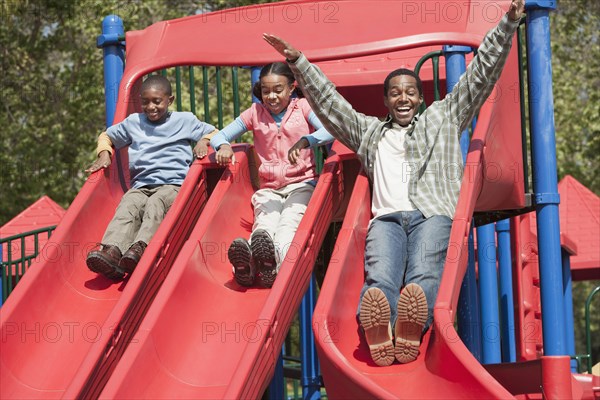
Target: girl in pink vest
x,y
278,123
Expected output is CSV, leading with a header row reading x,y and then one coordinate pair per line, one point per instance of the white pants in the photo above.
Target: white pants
x,y
279,212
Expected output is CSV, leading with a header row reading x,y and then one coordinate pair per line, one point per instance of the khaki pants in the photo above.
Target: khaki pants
x,y
279,212
138,215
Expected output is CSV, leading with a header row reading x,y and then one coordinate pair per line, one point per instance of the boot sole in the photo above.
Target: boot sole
x,y
263,251
101,266
240,257
375,320
412,315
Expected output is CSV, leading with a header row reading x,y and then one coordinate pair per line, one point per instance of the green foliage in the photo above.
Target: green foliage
x,y
581,291
53,92
575,38
53,96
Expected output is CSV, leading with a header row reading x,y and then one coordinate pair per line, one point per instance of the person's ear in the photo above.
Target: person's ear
x,y
171,98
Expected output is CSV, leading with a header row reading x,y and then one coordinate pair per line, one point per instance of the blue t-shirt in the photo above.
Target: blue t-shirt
x,y
159,154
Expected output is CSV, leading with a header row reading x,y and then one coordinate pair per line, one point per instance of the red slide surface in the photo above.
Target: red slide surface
x,y
444,368
68,333
207,337
62,321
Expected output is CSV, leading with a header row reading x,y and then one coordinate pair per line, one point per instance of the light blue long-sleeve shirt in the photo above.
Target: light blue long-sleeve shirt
x,y
235,129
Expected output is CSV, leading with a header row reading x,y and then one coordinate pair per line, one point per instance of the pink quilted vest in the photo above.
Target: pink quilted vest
x,y
272,144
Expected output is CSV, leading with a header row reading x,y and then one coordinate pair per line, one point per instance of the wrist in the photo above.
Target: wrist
x,y
293,58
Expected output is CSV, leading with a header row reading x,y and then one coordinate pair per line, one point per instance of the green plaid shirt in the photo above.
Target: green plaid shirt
x,y
432,142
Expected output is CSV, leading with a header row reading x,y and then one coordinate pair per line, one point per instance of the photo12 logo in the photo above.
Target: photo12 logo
x,y
319,12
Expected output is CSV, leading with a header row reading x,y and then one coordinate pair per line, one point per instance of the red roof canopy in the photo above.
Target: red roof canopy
x,y
580,220
41,214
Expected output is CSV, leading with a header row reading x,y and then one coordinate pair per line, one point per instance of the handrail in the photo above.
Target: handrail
x,y
588,329
8,277
435,57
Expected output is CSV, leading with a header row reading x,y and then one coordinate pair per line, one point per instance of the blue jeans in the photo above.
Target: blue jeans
x,y
405,247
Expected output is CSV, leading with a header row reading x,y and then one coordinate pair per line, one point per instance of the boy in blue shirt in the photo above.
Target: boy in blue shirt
x,y
160,155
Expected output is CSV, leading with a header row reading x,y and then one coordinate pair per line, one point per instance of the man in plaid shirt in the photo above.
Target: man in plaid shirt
x,y
414,163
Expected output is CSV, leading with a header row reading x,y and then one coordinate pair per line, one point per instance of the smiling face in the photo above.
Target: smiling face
x,y
403,99
155,103
276,92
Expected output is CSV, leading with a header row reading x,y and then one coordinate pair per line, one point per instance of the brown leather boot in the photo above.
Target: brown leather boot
x,y
105,261
132,257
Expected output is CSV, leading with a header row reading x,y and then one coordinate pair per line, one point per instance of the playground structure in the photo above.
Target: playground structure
x,y
180,326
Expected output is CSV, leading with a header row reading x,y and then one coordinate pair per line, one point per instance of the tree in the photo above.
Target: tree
x,y
52,89
575,36
52,95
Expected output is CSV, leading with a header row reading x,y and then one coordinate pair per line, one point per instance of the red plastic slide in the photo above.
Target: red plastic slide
x,y
444,368
62,319
207,337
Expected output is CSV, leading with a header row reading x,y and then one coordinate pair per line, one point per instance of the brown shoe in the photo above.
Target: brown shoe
x,y
132,257
412,315
105,261
375,320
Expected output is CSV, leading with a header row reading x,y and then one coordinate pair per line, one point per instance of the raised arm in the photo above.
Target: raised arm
x,y
476,84
336,113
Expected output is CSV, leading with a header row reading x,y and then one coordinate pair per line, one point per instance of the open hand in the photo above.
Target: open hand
x,y
225,155
294,151
103,161
516,9
282,47
201,148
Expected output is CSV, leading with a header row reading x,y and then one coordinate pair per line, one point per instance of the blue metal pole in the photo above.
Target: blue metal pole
x,y
509,350
568,301
455,67
488,293
468,309
277,383
469,322
114,62
311,382
255,77
545,185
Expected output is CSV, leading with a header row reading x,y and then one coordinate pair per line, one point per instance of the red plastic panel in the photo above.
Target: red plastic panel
x,y
580,219
61,317
503,180
347,369
41,214
204,335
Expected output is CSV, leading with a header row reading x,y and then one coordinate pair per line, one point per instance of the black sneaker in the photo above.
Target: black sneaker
x,y
265,257
240,256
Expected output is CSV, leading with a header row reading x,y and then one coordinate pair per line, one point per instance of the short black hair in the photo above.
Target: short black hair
x,y
157,82
400,72
276,68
